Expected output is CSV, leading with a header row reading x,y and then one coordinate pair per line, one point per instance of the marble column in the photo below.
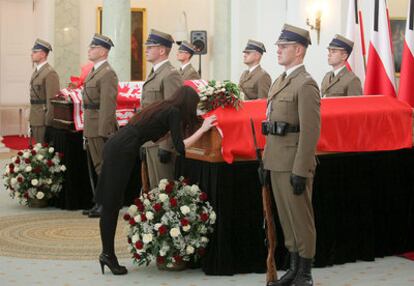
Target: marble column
x,y
116,24
222,40
67,39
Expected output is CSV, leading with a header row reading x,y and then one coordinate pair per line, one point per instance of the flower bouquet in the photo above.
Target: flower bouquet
x,y
34,174
219,94
170,224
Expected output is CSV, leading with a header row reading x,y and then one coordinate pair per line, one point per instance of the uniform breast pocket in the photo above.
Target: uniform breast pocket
x,y
153,94
91,88
338,91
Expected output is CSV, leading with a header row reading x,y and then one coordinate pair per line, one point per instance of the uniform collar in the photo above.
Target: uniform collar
x,y
98,64
39,66
337,71
292,69
253,68
157,66
185,65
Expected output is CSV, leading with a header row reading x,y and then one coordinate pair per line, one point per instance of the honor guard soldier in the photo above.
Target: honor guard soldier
x,y
184,54
340,81
44,85
292,130
162,82
99,104
254,82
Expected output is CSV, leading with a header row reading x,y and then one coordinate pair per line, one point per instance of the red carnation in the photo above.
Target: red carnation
x,y
201,251
139,244
204,217
50,163
162,230
33,152
132,221
173,202
203,196
19,179
45,145
169,188
127,216
178,259
160,260
143,218
184,221
11,166
27,161
157,207
20,153
137,256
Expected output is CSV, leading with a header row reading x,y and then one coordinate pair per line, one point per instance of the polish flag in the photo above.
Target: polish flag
x,y
380,68
355,32
407,63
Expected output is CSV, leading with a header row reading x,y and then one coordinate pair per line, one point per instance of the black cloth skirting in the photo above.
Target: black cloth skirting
x,y
363,204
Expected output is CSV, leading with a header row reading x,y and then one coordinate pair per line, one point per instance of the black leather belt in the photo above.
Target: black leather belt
x,y
37,101
93,106
278,128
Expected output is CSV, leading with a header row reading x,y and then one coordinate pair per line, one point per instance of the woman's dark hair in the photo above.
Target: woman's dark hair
x,y
185,99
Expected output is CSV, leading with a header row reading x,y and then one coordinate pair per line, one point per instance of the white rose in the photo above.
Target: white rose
x,y
147,237
63,168
39,157
175,232
51,150
28,169
194,189
132,210
13,181
187,228
147,202
157,226
204,239
35,182
184,210
213,216
163,197
26,155
49,181
163,252
189,249
137,218
135,238
149,215
40,195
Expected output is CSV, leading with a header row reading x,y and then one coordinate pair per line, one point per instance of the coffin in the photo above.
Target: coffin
x,y
63,114
207,148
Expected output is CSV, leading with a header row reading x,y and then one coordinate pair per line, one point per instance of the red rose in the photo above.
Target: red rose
x,y
30,147
204,217
19,179
11,166
17,161
127,216
132,221
185,181
37,170
61,155
157,207
184,221
27,161
203,196
137,202
173,202
160,260
140,208
26,195
169,188
201,251
129,240
50,163
33,152
143,218
11,171
137,256
44,145
162,230
178,259
20,153
139,244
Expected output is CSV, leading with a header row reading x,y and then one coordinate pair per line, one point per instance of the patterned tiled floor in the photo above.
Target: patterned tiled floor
x,y
389,271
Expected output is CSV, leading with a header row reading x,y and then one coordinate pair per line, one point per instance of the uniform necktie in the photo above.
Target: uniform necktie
x,y
283,76
331,77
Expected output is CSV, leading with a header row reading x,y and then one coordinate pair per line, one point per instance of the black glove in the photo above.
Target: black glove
x,y
298,183
142,153
164,156
264,175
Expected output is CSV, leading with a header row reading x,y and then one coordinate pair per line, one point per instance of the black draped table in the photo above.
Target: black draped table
x,y
77,192
363,204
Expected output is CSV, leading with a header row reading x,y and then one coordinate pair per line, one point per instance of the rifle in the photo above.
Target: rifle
x,y
144,175
271,274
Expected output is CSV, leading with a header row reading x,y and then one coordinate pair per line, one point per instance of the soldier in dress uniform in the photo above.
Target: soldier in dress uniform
x,y
254,82
292,130
340,81
184,54
44,85
162,82
99,103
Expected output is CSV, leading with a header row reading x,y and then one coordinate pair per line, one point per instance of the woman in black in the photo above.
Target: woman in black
x,y
121,152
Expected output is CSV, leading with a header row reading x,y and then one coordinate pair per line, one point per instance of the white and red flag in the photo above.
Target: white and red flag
x,y
355,32
380,77
407,62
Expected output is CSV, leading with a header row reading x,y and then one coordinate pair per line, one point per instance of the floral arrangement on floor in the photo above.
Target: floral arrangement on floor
x,y
170,224
34,173
219,94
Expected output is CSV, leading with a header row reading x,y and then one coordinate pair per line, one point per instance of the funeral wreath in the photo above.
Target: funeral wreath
x,y
219,94
34,173
170,224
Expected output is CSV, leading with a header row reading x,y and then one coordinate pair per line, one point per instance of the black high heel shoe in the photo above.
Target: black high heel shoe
x,y
112,263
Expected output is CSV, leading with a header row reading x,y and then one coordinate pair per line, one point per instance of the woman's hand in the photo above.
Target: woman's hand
x,y
208,123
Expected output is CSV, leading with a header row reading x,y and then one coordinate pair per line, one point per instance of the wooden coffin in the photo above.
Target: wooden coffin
x,y
63,114
207,148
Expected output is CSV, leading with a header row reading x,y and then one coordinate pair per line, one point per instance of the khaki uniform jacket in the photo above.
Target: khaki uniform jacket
x,y
101,87
160,85
344,84
294,100
189,73
255,84
44,85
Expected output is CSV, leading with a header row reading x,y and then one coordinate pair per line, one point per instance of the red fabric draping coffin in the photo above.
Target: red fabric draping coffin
x,y
349,124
